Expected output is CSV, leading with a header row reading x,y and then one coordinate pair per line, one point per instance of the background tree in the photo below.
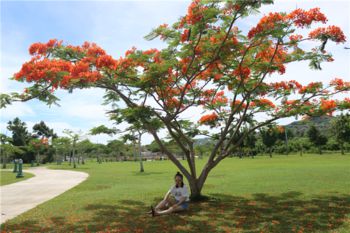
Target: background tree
x,y
300,144
7,149
38,147
208,63
200,150
284,136
20,134
154,146
116,148
317,138
269,136
250,144
341,130
62,147
20,139
74,137
42,131
102,129
135,138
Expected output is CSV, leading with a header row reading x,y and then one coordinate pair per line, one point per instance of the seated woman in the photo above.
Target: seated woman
x,y
168,205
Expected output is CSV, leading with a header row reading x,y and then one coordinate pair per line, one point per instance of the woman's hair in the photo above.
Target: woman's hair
x,y
182,177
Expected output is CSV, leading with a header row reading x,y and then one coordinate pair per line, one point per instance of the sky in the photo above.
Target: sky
x,y
117,26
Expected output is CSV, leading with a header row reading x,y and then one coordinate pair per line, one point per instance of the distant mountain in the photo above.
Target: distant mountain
x,y
299,128
323,123
202,141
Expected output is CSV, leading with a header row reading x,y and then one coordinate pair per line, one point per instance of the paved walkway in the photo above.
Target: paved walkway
x,y
19,197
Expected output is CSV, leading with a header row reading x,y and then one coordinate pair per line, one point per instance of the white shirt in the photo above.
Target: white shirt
x,y
179,192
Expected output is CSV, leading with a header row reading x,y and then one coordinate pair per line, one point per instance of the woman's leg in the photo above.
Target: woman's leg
x,y
161,205
170,210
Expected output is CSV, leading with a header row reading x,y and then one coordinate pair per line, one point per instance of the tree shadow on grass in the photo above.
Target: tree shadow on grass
x,y
287,212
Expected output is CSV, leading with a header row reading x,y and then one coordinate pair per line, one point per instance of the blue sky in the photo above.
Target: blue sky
x,y
117,26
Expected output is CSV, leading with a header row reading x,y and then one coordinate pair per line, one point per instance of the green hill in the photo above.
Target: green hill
x,y
323,123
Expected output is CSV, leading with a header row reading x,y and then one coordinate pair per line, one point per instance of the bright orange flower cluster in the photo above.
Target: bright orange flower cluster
x,y
93,50
130,51
280,129
328,105
172,103
184,35
291,102
210,96
278,58
44,141
230,8
295,38
106,61
266,23
242,72
262,103
150,51
42,69
284,85
209,118
299,17
194,12
340,84
36,70
302,18
236,104
220,98
311,87
333,33
43,48
211,71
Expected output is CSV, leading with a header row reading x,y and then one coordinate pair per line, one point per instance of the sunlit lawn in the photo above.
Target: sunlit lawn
x,y
8,177
283,194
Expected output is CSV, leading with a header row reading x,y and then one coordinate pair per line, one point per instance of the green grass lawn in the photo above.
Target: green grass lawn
x,y
283,194
8,177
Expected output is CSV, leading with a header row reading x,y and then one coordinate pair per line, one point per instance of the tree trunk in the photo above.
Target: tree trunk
x,y
74,164
4,161
270,152
196,189
37,159
140,154
196,185
320,150
342,148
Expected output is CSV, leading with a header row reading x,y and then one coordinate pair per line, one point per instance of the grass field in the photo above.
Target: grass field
x,y
283,194
8,177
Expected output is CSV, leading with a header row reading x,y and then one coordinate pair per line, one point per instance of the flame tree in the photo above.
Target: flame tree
x,y
208,66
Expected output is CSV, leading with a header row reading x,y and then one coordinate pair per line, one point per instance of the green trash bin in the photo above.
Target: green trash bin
x,y
20,173
15,166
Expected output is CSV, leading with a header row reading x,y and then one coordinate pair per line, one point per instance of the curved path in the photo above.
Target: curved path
x,y
19,197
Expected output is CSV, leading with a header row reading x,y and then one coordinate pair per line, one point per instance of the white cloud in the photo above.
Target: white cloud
x,y
17,109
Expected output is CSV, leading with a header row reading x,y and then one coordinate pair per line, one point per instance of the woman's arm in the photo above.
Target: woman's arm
x,y
167,195
182,200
